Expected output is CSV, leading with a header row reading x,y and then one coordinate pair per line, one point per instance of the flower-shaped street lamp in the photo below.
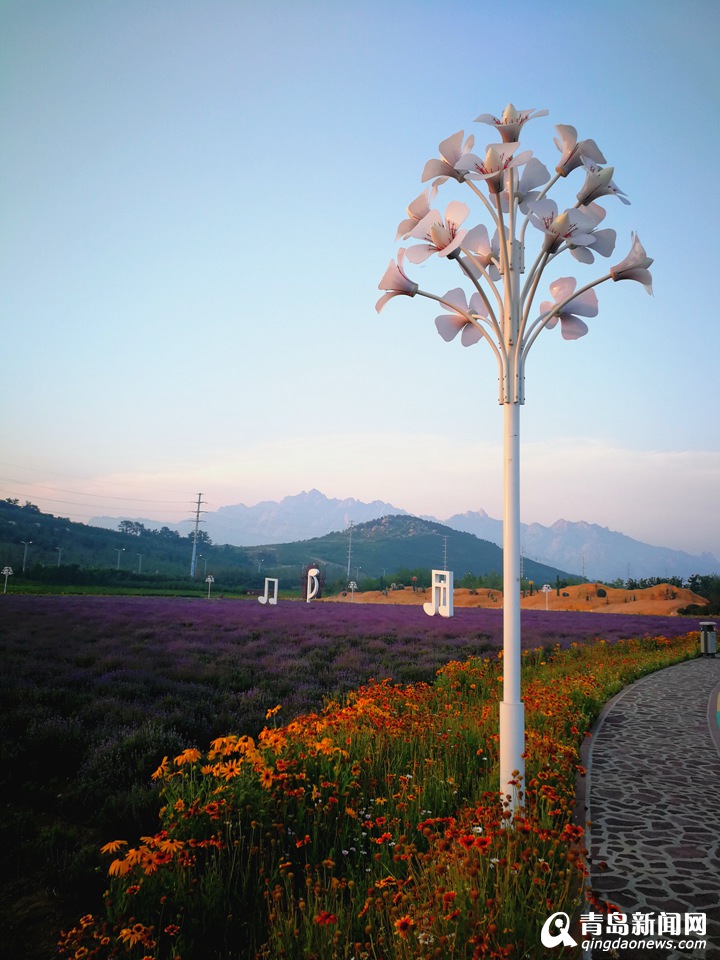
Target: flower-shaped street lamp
x,y
512,186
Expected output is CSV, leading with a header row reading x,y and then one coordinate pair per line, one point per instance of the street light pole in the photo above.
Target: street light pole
x,y
512,709
25,551
500,313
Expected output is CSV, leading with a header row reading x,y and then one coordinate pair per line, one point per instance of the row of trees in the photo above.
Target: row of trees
x,y
133,528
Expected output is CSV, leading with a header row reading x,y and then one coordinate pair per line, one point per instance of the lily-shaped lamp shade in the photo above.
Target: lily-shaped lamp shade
x,y
584,305
441,236
396,282
599,183
634,266
450,324
499,157
419,208
511,122
572,151
451,162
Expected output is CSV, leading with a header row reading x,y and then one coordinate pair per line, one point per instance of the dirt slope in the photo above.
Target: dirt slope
x,y
662,600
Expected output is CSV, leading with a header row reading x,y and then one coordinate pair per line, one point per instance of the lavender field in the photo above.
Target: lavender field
x,y
96,690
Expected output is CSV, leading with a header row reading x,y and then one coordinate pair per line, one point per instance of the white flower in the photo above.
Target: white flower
x,y
603,240
599,183
572,152
419,208
511,122
586,305
634,266
396,281
452,153
441,236
477,242
534,174
498,158
450,324
570,226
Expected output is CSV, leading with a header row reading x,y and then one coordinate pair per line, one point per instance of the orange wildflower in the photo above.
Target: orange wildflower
x,y
118,868
404,925
113,846
162,769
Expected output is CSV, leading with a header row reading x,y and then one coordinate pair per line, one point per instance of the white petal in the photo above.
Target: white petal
x,y
456,298
449,325
534,175
419,253
546,307
590,149
470,335
451,148
604,242
477,240
456,211
405,228
561,288
383,300
572,328
521,158
477,306
567,137
586,304
582,254
583,239
422,227
434,168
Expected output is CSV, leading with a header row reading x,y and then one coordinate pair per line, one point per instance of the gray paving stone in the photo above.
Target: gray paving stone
x,y
653,802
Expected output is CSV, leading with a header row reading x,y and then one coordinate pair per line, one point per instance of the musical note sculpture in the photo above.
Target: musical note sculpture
x,y
267,598
442,594
313,583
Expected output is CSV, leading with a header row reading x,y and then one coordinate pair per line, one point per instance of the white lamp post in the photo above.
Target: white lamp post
x,y
500,310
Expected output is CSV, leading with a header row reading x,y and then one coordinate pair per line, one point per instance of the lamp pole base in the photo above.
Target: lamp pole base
x,y
512,749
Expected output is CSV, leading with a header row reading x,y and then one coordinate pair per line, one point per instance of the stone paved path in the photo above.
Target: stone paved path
x,y
653,799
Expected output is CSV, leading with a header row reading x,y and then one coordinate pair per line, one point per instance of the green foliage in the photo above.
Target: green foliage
x,y
705,586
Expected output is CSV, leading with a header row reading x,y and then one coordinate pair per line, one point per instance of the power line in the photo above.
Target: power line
x,y
83,493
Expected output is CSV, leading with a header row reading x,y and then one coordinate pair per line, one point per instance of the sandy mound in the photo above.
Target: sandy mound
x,y
662,600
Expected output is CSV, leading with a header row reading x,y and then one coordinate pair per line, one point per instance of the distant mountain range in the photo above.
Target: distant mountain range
x,y
582,548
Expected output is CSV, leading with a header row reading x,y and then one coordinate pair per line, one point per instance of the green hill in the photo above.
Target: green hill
x,y
59,551
387,545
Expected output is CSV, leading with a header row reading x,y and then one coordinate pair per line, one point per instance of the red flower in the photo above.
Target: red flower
x,y
324,919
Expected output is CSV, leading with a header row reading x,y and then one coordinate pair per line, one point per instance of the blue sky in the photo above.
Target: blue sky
x,y
198,200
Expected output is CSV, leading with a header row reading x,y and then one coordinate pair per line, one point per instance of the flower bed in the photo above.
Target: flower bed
x,y
371,828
